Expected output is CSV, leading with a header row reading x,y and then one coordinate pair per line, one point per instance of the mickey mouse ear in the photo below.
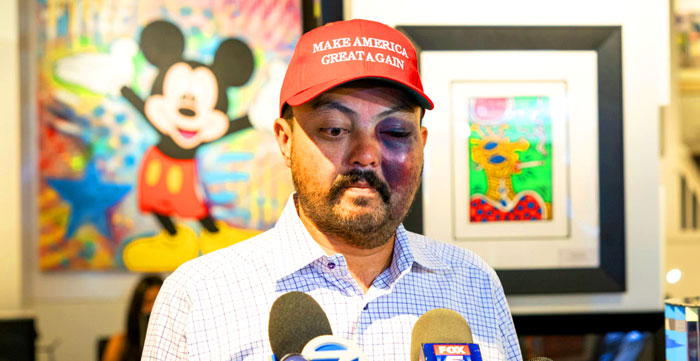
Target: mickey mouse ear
x,y
233,62
162,43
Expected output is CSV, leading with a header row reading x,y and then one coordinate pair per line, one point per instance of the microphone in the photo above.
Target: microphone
x,y
299,330
295,319
443,334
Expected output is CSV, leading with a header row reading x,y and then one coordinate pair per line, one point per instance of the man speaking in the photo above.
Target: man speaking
x,y
350,131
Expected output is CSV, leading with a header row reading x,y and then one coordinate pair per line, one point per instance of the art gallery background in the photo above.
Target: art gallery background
x,y
73,309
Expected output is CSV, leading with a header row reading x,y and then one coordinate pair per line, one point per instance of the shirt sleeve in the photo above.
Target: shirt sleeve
x,y
509,339
166,338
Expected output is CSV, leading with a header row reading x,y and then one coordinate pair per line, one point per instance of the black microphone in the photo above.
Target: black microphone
x,y
295,319
439,326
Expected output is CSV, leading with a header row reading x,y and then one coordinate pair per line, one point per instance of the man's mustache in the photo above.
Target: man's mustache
x,y
356,175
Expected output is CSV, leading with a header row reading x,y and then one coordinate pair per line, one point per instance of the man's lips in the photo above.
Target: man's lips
x,y
187,133
361,184
361,187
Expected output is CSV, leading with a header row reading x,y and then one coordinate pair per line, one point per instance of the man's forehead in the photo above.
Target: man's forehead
x,y
376,91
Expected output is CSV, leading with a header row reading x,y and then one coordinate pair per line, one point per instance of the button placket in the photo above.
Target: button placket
x,y
335,271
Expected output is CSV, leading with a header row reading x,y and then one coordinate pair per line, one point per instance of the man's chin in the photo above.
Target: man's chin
x,y
349,207
352,200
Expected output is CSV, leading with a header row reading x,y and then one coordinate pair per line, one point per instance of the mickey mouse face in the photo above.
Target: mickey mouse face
x,y
186,109
188,101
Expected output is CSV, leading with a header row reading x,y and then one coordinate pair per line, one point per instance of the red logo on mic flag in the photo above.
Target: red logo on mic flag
x,y
452,350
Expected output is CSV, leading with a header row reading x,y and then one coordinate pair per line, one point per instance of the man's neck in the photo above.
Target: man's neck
x,y
364,264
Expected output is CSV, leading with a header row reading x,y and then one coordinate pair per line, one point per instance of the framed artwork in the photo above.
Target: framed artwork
x,y
155,127
687,21
513,163
524,161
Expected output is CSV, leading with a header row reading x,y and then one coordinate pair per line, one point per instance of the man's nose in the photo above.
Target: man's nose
x,y
365,151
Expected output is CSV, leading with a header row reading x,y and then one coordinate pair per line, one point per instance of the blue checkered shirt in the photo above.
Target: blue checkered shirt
x,y
216,307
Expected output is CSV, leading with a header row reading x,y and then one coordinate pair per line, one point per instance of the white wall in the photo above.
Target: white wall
x,y
645,87
11,296
683,246
74,322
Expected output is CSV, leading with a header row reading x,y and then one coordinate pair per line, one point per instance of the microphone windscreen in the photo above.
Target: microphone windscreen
x,y
295,319
295,357
439,326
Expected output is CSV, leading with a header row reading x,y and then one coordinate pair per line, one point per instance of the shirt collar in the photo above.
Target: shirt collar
x,y
412,247
297,249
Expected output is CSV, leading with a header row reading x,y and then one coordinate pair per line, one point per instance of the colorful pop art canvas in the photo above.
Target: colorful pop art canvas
x,y
154,126
510,155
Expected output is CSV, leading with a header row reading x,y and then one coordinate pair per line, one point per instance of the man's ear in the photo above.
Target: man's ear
x,y
283,134
424,134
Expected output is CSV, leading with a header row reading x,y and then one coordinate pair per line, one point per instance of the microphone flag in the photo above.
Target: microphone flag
x,y
332,348
450,352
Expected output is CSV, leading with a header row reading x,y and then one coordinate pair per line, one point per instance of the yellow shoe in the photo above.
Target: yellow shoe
x,y
161,252
225,237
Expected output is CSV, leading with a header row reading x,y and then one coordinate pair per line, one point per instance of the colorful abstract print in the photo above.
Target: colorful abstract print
x,y
510,156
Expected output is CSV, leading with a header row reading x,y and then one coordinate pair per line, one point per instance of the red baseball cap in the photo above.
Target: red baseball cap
x,y
343,51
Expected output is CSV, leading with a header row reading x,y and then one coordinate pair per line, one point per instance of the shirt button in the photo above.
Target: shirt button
x,y
331,265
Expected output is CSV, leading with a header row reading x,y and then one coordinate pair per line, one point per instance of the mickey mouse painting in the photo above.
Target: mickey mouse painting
x,y
188,108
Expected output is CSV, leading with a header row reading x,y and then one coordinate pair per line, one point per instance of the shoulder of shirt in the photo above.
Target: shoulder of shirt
x,y
240,258
453,257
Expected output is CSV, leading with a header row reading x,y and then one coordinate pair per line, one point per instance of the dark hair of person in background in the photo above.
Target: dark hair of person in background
x,y
135,329
128,347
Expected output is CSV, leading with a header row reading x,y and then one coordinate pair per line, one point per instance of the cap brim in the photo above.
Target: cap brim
x,y
310,93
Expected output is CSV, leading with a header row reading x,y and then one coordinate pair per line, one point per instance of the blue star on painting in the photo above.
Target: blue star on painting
x,y
90,199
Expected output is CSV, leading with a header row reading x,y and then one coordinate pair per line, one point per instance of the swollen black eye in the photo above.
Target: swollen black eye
x,y
397,134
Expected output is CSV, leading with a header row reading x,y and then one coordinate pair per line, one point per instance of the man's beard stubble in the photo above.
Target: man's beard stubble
x,y
365,229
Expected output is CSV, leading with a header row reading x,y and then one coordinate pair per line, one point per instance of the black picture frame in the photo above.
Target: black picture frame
x,y
316,13
606,41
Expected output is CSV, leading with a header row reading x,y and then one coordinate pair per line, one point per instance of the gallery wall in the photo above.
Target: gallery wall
x,y
678,119
68,304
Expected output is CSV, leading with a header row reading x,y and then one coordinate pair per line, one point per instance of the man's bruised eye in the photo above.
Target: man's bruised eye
x,y
334,132
397,133
396,127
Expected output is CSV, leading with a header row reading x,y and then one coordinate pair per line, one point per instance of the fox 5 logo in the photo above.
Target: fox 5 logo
x,y
451,350
331,348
